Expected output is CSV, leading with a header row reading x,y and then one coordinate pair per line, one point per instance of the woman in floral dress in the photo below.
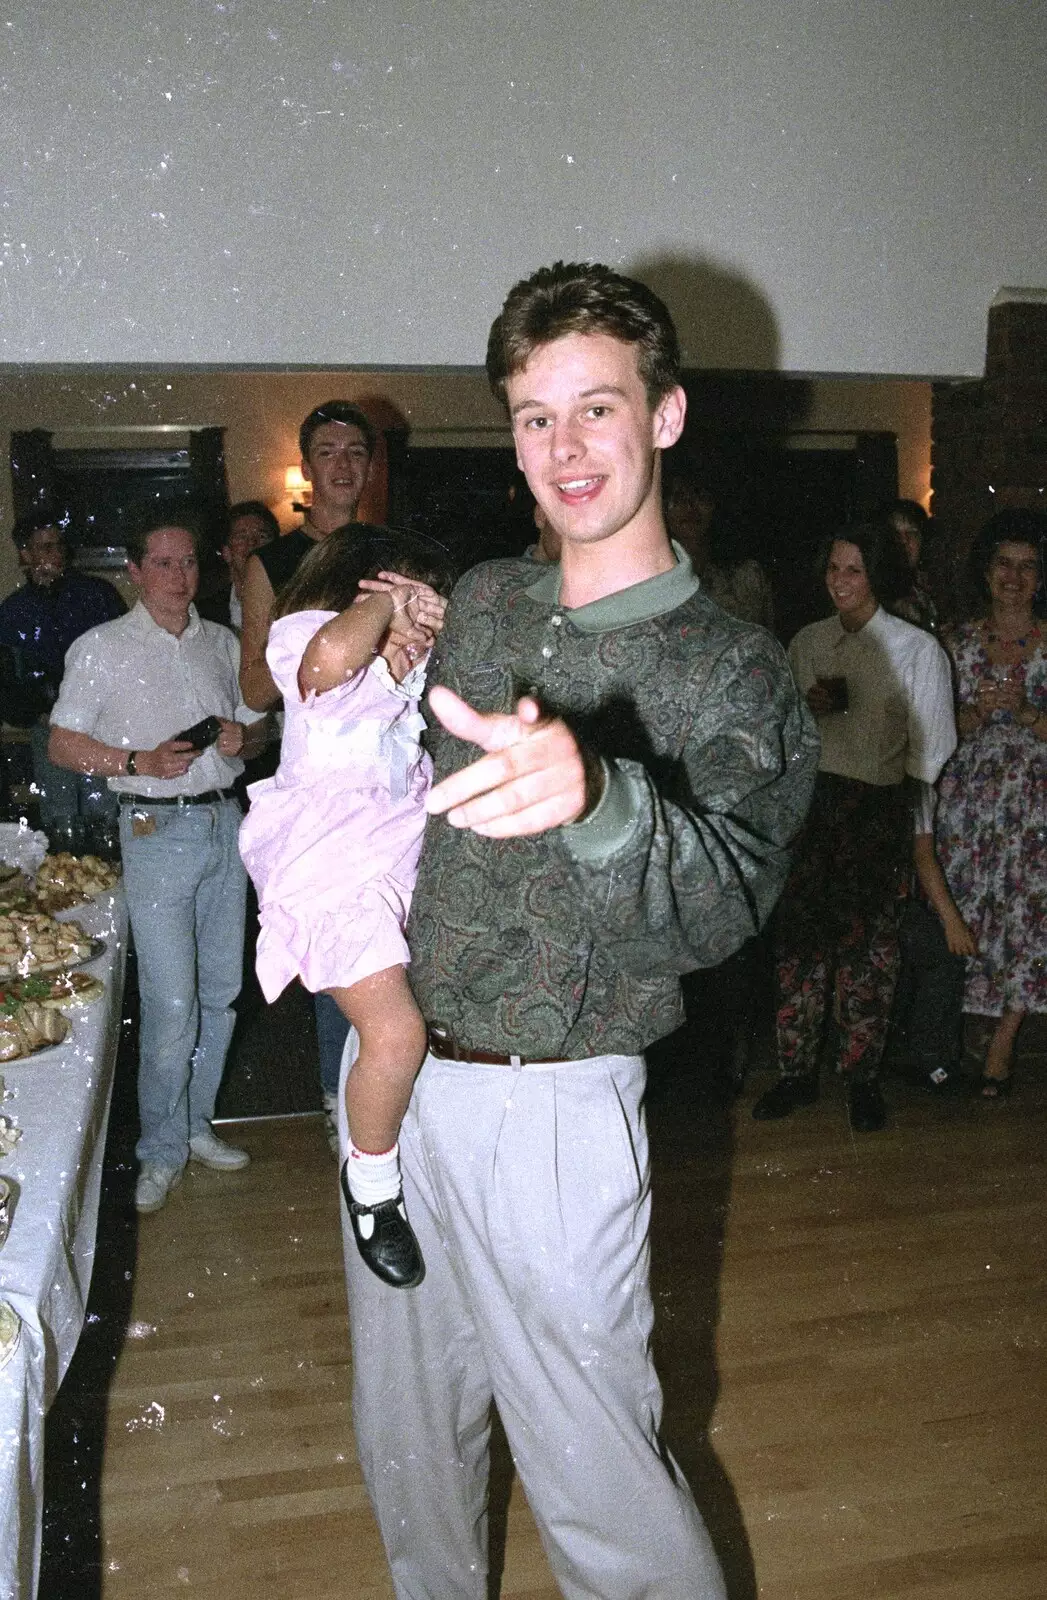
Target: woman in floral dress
x,y
992,810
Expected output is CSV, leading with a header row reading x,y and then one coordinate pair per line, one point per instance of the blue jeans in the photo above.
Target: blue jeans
x,y
186,892
79,802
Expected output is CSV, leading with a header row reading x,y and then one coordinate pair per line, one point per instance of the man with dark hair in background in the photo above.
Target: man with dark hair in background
x,y
38,623
249,526
911,524
337,442
131,687
620,769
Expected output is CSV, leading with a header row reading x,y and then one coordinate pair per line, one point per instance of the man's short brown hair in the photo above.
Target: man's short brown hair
x,y
176,515
341,411
584,297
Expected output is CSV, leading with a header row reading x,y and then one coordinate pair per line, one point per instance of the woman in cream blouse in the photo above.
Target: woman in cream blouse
x,y
882,693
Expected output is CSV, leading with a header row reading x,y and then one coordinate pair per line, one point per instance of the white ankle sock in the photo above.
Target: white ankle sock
x,y
373,1178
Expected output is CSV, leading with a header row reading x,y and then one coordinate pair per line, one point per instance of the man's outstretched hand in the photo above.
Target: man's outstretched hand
x,y
533,777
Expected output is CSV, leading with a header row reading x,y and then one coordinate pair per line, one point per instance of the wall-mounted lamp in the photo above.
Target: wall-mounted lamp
x,y
298,489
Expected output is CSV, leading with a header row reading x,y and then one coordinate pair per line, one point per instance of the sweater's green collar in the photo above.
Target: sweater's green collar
x,y
638,603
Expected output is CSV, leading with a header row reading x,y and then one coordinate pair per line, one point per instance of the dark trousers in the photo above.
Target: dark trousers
x,y
927,1024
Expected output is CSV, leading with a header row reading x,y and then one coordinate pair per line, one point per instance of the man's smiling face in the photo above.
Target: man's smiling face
x,y
337,466
586,435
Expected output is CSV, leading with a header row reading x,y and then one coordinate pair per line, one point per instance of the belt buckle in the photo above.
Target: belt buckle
x,y
441,1041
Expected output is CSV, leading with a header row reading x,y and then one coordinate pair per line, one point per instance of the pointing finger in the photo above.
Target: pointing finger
x,y
491,730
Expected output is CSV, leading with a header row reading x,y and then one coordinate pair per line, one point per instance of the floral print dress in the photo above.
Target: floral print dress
x,y
992,837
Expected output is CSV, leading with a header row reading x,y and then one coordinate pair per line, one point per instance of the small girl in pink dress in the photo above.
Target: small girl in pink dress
x,y
332,841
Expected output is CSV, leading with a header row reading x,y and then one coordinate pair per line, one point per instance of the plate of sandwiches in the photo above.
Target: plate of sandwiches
x,y
28,1026
64,880
34,942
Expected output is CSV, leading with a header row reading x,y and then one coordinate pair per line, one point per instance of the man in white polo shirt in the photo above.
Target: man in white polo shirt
x,y
130,687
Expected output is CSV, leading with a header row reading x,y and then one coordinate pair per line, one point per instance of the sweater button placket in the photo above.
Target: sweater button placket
x,y
550,646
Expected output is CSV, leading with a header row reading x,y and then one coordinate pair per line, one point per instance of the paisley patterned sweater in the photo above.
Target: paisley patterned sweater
x,y
570,944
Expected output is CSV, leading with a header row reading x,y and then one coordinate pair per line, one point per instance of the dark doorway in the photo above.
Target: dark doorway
x,y
474,500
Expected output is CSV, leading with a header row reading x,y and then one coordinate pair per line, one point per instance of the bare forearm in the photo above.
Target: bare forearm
x,y
958,936
345,644
170,759
931,877
81,753
257,686
971,718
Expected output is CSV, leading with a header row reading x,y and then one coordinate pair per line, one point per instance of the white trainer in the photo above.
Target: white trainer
x,y
330,1105
154,1185
211,1151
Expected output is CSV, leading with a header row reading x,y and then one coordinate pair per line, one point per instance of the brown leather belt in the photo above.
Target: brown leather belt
x,y
443,1045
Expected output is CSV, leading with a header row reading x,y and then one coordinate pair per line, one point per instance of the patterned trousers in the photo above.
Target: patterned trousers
x,y
836,928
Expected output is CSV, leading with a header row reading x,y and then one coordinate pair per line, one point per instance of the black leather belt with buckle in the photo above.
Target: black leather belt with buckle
x,y
210,797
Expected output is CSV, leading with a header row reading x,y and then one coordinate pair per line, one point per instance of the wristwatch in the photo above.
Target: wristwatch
x,y
132,766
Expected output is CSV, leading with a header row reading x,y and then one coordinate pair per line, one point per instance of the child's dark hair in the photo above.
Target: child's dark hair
x,y
329,576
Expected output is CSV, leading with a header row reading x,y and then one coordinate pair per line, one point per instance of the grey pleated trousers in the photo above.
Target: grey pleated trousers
x,y
528,1190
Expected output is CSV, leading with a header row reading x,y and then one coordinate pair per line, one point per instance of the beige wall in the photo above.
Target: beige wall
x,y
893,406
260,412
818,186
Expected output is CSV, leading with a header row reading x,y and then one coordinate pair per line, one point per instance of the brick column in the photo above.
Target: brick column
x,y
989,437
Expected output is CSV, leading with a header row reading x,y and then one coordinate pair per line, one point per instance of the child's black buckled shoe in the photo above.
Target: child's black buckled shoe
x,y
385,1239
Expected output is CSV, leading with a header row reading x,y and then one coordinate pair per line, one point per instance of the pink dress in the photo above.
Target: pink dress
x,y
332,841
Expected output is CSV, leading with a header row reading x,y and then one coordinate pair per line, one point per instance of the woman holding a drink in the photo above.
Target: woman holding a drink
x,y
882,693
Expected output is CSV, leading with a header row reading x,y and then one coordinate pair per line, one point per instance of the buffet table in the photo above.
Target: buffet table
x,y
60,1101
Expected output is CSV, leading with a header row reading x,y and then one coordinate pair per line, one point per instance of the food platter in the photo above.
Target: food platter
x,y
49,1048
28,1028
70,987
50,968
42,955
61,882
46,969
64,881
32,942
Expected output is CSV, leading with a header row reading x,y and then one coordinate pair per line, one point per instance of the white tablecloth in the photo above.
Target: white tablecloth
x,y
60,1100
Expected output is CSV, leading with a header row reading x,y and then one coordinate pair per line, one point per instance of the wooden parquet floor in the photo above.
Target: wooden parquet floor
x,y
851,1335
